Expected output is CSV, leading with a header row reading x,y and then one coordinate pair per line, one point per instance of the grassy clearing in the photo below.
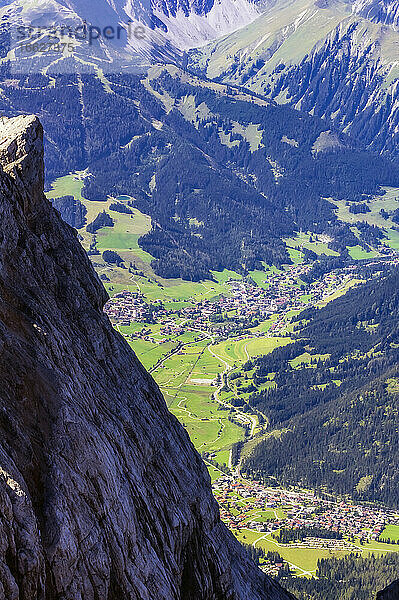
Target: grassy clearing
x,y
178,368
264,515
341,292
388,202
206,422
296,256
261,277
69,185
305,559
242,350
207,366
317,245
123,238
224,276
150,353
213,472
391,532
183,380
358,253
306,358
377,548
392,239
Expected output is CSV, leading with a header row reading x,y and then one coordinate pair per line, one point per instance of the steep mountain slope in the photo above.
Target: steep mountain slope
x,y
335,416
170,26
186,23
253,172
379,11
102,495
192,23
335,59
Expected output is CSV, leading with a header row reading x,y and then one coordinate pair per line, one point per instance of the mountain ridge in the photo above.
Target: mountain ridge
x,y
336,60
168,27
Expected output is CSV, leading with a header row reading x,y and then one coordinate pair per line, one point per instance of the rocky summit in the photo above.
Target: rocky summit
x,y
102,495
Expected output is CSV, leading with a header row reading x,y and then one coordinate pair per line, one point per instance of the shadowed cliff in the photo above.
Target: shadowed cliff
x,y
102,495
390,593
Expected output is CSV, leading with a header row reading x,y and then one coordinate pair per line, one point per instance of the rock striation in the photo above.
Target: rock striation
x,y
102,495
71,210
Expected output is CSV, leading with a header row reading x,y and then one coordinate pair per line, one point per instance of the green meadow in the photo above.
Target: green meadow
x,y
232,351
310,241
123,238
69,185
389,202
391,532
358,253
303,561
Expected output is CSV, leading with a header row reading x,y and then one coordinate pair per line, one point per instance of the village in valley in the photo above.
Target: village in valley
x,y
244,302
202,342
240,499
322,522
198,345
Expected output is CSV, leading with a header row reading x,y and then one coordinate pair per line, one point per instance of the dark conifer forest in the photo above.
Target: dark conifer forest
x,y
226,164
337,414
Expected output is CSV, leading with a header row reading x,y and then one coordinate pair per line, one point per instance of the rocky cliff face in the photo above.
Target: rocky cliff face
x,y
390,593
102,495
71,210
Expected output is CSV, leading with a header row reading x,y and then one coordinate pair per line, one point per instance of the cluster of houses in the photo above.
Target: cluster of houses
x,y
232,314
324,544
248,301
240,500
125,307
275,567
245,301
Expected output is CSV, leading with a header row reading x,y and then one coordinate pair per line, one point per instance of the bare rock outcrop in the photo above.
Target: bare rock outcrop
x,y
102,495
390,593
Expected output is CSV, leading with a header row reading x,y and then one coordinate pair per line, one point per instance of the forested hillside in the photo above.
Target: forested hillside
x,y
224,174
335,398
335,59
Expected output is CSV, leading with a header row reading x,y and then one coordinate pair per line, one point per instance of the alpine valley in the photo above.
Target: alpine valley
x,y
222,188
